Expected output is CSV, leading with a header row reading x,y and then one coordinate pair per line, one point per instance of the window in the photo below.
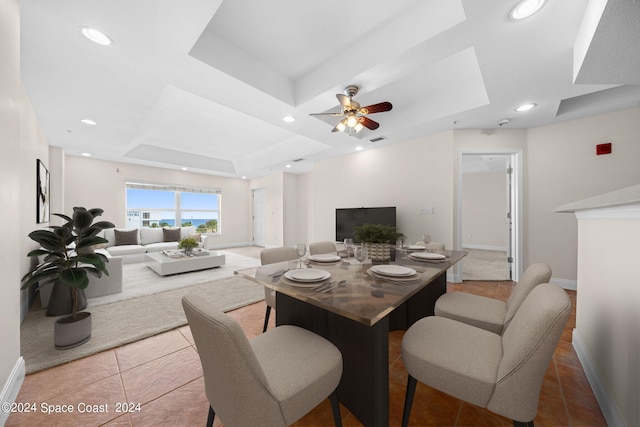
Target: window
x,y
151,205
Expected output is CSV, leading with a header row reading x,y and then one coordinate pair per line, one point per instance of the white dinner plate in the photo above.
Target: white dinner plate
x,y
324,258
307,275
417,247
428,255
393,270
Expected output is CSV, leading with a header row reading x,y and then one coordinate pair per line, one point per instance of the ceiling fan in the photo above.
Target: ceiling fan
x,y
355,116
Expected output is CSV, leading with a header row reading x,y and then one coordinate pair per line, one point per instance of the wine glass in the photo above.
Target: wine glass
x,y
301,250
360,254
348,244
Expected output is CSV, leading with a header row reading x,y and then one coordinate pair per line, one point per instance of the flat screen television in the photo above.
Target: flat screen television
x,y
349,218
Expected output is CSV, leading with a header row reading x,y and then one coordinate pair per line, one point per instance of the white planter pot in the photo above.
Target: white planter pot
x,y
69,333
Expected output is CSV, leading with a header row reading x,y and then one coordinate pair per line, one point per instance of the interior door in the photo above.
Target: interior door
x,y
510,212
259,220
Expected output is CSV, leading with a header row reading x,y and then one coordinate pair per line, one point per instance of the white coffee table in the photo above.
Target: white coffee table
x,y
165,265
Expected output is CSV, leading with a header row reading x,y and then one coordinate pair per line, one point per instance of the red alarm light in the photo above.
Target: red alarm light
x,y
603,148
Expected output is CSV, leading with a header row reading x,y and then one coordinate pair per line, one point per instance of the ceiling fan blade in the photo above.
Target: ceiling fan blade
x,y
368,123
376,108
327,114
344,100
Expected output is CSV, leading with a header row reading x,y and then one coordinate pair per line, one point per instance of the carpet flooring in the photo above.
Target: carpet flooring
x,y
481,264
136,316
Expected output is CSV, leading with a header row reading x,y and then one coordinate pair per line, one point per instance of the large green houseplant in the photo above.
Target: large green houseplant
x,y
377,238
67,260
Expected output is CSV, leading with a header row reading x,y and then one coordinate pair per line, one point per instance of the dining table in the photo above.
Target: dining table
x,y
355,305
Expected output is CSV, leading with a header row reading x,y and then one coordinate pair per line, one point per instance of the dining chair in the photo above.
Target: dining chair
x,y
488,313
271,256
322,248
272,380
502,373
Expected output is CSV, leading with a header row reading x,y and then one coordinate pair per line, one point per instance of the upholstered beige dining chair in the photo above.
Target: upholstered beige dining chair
x,y
502,373
271,256
488,313
322,248
272,380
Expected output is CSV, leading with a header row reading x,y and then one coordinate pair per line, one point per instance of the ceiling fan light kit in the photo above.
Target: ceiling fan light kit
x,y
354,115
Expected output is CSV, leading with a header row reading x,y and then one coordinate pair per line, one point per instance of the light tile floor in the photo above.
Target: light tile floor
x,y
162,375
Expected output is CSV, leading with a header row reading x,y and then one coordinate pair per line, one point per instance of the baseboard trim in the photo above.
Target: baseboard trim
x,y
607,405
12,387
571,285
229,245
484,247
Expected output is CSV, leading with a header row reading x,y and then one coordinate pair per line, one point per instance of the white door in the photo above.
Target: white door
x,y
259,221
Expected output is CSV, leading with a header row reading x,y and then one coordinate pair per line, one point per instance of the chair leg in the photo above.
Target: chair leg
x,y
408,400
211,416
522,424
266,319
335,408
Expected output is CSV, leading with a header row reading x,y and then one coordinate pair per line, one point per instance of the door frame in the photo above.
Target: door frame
x,y
517,197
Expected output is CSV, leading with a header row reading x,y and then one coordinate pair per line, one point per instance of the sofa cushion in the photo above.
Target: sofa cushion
x,y
150,235
196,237
161,246
126,250
186,231
127,237
170,234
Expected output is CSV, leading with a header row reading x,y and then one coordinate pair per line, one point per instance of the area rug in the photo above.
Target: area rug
x,y
481,264
130,320
139,280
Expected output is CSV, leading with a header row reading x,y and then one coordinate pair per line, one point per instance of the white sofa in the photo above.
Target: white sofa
x,y
149,239
105,285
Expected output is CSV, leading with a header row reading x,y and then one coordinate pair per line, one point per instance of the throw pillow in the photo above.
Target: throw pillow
x,y
171,234
126,237
195,237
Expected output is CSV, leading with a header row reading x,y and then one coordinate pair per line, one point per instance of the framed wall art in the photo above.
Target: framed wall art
x,y
42,193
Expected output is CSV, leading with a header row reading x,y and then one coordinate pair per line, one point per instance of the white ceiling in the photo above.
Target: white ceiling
x,y
204,84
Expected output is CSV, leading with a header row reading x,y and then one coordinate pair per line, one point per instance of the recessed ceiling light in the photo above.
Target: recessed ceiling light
x,y
96,36
525,9
359,148
289,119
89,122
526,107
287,166
244,177
184,169
85,154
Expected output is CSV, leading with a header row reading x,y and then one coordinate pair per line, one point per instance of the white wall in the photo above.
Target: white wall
x,y
562,167
100,184
607,336
484,207
21,143
409,176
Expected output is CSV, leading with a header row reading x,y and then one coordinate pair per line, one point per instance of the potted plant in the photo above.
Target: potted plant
x,y
67,259
187,245
377,239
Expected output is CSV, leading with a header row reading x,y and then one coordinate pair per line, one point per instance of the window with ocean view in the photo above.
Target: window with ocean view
x,y
150,205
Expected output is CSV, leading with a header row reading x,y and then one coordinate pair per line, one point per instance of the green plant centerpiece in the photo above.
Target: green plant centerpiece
x,y
67,260
187,245
377,239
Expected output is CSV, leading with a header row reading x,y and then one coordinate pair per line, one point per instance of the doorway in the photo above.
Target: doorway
x,y
489,214
259,219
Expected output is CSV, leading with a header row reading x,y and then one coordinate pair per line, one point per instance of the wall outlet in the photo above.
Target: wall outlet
x,y
426,211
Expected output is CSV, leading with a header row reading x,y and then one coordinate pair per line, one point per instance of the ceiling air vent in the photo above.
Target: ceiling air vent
x,y
298,160
380,138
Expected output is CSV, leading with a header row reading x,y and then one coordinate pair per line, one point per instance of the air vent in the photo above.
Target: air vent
x,y
380,138
298,160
